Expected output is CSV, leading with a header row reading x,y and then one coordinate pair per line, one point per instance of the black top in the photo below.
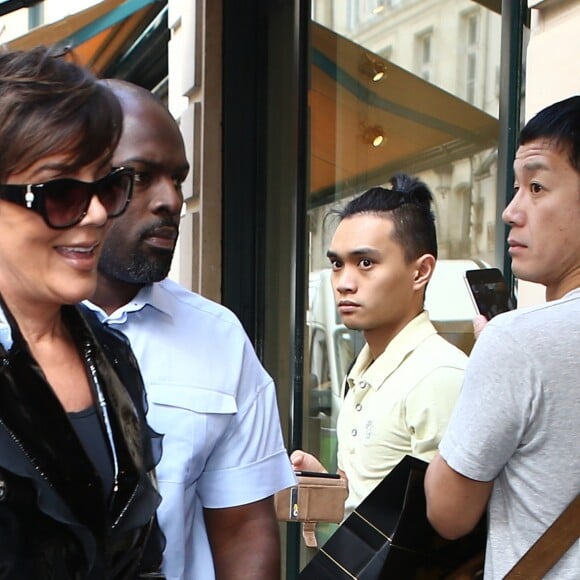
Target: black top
x,y
88,428
55,522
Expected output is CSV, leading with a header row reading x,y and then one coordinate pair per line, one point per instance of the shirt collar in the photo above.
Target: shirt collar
x,y
156,295
403,344
152,295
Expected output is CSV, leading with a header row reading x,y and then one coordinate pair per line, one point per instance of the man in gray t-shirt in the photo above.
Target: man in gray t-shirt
x,y
513,438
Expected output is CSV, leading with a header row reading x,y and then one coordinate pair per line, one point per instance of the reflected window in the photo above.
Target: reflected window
x,y
424,52
470,26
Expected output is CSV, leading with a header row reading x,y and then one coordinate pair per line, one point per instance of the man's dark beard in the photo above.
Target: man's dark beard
x,y
138,268
141,265
145,270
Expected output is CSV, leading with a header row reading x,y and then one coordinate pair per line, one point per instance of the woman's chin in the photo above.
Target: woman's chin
x,y
76,293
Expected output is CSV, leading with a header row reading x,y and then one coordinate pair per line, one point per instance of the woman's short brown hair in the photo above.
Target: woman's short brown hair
x,y
49,105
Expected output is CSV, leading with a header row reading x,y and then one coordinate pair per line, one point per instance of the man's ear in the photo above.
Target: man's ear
x,y
425,266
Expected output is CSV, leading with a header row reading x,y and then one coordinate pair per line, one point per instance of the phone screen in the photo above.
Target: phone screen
x,y
489,291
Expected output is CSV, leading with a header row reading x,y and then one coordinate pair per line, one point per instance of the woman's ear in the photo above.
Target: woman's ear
x,y
425,266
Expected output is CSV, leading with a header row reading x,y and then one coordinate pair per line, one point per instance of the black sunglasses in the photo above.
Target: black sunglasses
x,y
63,203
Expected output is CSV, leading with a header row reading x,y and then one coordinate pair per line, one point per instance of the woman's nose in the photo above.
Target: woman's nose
x,y
96,213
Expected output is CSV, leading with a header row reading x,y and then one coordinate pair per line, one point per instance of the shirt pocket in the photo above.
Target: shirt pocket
x,y
192,419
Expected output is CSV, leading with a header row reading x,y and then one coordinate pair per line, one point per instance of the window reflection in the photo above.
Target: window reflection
x,y
423,74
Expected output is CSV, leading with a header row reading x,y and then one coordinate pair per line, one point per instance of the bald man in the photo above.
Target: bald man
x,y
223,454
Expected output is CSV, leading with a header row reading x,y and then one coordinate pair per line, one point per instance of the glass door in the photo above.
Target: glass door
x,y
397,85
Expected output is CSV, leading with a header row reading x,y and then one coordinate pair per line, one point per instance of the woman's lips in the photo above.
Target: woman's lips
x,y
81,256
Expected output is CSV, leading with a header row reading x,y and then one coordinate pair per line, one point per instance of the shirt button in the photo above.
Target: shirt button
x,y
353,432
358,407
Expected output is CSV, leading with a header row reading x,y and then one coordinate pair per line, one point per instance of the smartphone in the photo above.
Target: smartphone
x,y
489,291
317,474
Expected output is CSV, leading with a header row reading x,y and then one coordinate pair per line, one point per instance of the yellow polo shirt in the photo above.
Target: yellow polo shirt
x,y
398,405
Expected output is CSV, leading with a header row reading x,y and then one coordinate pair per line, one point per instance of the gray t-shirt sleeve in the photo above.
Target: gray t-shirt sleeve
x,y
495,406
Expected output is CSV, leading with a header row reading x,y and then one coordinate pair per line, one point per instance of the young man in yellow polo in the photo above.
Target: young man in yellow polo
x,y
405,381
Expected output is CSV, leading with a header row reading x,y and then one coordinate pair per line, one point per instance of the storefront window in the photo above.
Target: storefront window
x,y
407,85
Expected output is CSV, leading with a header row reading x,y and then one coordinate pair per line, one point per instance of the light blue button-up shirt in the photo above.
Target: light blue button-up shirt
x,y
216,406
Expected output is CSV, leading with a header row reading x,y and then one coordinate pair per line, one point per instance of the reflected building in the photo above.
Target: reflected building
x,y
422,77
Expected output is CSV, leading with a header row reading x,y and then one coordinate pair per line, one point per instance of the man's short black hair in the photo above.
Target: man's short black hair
x,y
408,204
559,123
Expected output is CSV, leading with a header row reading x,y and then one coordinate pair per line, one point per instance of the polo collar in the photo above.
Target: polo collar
x,y
364,374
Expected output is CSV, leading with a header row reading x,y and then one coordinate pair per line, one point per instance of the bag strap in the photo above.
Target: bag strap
x,y
550,546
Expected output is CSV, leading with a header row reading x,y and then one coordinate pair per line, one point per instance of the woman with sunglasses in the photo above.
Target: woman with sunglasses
x,y
77,495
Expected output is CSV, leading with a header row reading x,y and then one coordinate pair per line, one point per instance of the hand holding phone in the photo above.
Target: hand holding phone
x,y
488,291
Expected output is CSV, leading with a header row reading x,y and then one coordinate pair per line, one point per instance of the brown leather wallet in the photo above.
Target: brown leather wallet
x,y
314,499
